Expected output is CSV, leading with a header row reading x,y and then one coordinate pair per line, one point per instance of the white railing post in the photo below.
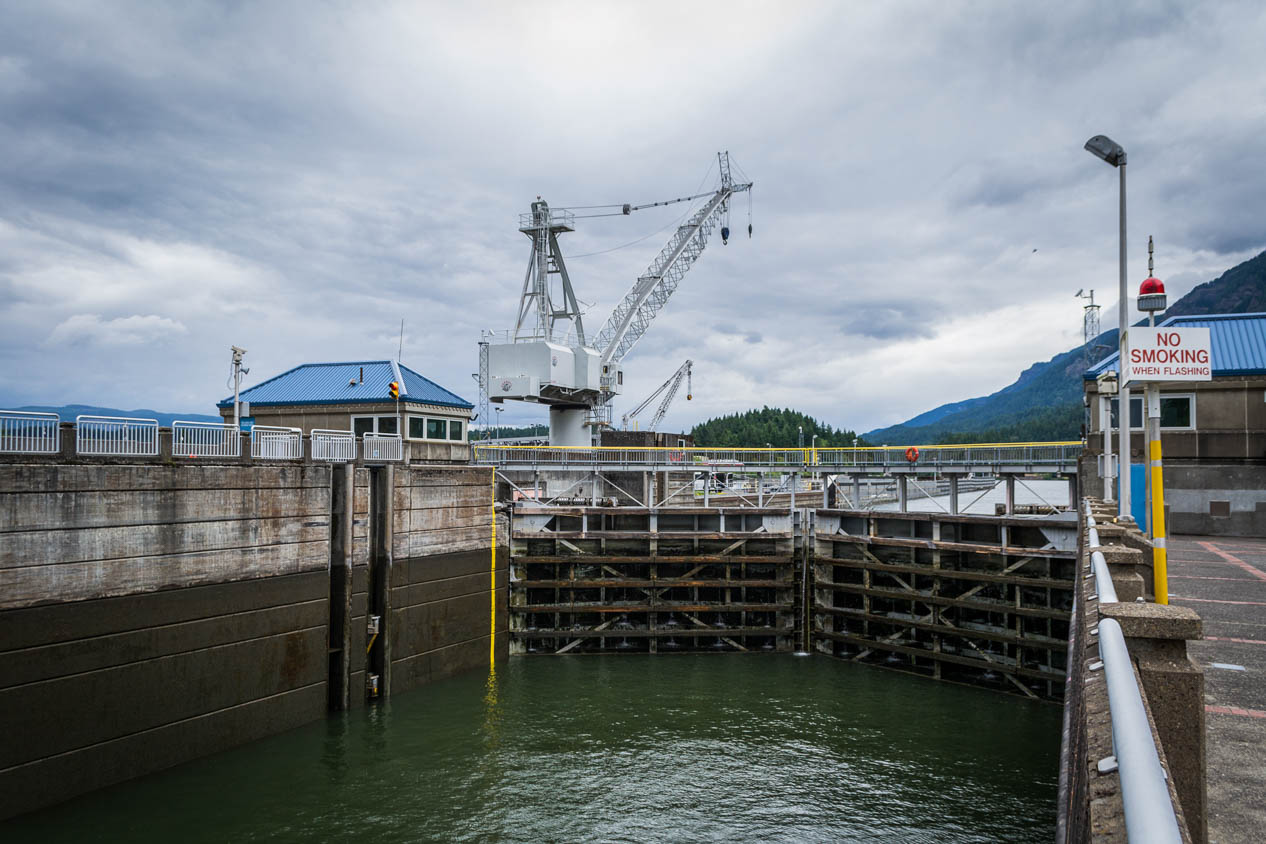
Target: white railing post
x,y
27,432
205,439
334,446
273,443
382,447
116,435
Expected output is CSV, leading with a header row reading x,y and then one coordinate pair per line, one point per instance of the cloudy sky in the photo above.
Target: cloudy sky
x,y
295,178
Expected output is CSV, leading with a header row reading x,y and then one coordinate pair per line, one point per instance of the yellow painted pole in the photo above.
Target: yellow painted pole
x,y
492,628
1160,562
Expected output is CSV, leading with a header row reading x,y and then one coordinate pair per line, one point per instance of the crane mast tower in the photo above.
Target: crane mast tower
x,y
547,358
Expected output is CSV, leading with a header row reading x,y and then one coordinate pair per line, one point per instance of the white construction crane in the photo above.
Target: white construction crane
x,y
548,358
672,385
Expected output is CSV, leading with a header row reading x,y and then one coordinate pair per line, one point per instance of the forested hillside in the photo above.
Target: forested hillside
x,y
773,426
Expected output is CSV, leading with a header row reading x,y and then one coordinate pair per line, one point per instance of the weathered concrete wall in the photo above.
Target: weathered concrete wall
x,y
155,612
442,580
150,614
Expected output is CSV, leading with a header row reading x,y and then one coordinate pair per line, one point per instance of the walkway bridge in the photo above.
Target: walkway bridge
x,y
654,477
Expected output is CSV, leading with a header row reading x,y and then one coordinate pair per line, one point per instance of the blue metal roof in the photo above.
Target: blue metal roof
x,y
340,383
1237,343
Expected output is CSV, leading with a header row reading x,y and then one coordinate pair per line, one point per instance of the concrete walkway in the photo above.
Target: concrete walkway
x,y
1224,579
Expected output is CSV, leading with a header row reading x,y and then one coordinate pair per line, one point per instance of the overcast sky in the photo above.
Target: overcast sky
x,y
295,178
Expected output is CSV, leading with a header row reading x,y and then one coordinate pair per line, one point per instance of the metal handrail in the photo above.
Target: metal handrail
x,y
332,445
736,459
382,447
29,432
274,443
116,435
1149,811
205,439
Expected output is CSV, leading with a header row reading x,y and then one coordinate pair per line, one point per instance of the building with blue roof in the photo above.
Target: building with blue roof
x,y
355,396
1213,433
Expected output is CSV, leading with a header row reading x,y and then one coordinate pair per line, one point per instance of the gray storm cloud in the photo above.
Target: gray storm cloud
x,y
297,179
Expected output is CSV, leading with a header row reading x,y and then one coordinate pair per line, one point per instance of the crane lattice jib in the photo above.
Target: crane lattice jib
x,y
668,399
631,318
671,385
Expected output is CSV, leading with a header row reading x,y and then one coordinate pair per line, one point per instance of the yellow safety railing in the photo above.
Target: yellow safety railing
x,y
736,459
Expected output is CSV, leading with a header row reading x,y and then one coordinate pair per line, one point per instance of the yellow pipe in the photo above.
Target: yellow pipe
x,y
1160,562
492,623
370,646
477,446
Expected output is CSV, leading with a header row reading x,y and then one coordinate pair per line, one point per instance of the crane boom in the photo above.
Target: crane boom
x,y
630,319
672,385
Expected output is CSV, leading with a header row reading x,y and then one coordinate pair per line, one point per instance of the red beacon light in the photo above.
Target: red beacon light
x,y
1152,295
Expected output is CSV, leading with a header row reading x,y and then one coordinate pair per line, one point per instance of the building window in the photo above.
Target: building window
x,y
362,425
435,428
1177,412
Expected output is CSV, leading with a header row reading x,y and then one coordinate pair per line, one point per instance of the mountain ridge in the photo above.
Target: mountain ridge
x,y
1044,402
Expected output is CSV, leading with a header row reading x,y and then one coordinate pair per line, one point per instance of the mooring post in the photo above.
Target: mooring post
x,y
902,493
857,492
1009,482
953,494
383,491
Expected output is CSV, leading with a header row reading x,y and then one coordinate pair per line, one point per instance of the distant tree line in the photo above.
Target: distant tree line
x,y
777,427
1062,421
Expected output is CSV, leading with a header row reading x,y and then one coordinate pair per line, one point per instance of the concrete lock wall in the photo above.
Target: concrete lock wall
x,y
441,579
154,613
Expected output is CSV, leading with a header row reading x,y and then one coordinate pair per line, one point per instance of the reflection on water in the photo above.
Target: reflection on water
x,y
727,747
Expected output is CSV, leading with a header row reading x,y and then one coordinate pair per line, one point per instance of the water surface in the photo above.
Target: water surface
x,y
690,747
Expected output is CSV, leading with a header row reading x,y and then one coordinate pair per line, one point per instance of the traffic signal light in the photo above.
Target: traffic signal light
x,y
393,389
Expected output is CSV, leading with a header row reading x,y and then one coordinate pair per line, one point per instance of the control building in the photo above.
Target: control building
x,y
1213,433
356,396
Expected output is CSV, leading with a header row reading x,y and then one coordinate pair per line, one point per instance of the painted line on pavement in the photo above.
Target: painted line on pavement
x,y
1234,560
1216,601
1233,639
1210,577
1234,710
1227,666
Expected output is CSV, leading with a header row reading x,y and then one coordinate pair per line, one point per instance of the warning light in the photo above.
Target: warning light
x,y
393,389
1152,295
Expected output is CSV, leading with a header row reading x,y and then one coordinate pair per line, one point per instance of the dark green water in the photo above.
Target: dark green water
x,y
762,747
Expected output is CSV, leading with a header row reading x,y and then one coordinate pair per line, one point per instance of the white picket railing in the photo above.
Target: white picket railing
x,y
271,443
335,446
382,447
28,432
205,439
116,435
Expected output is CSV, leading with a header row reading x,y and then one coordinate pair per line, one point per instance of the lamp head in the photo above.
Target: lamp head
x,y
1109,150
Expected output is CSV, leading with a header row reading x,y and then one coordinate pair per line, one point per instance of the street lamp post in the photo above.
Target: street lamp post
x,y
1110,151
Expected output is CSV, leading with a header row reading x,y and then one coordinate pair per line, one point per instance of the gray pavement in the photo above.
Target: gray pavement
x,y
1224,579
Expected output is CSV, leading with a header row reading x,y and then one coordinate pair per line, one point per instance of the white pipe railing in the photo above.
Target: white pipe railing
x,y
29,432
273,443
382,447
116,435
205,439
1149,811
335,446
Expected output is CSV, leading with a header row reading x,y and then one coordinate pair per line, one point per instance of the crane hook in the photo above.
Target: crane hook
x,y
725,235
749,231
